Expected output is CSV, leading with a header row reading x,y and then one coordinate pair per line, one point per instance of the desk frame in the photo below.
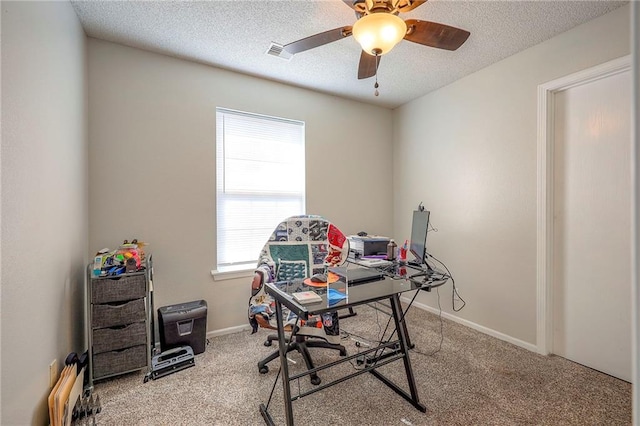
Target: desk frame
x,y
401,354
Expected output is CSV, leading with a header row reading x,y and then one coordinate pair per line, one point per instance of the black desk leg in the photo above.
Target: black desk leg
x,y
396,308
406,333
284,366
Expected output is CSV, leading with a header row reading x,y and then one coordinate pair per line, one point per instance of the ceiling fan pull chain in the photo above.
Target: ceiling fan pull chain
x,y
375,86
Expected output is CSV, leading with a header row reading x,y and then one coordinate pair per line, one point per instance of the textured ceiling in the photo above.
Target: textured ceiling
x,y
236,34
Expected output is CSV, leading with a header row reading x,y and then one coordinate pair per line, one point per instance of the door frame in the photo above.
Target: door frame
x,y
546,142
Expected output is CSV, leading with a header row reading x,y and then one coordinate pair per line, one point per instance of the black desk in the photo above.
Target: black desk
x,y
389,289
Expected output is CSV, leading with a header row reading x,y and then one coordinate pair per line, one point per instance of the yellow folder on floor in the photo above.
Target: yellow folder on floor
x,y
63,394
52,395
74,395
60,394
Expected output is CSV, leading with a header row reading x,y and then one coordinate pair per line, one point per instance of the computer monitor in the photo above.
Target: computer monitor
x,y
419,228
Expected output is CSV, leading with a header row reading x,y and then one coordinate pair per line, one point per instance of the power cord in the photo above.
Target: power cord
x,y
441,330
381,340
364,341
404,313
406,310
454,293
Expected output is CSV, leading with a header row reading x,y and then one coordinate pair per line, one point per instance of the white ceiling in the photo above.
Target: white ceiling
x,y
236,34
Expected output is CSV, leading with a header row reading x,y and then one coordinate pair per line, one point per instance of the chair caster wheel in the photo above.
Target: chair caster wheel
x,y
263,370
268,343
315,380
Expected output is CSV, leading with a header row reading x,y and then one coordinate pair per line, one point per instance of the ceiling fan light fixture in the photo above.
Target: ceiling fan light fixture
x,y
379,32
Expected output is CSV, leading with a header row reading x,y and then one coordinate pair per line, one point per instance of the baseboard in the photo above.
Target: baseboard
x,y
214,333
229,330
529,346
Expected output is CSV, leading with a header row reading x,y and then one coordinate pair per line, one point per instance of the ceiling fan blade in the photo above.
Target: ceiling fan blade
x,y
368,65
318,40
435,35
409,5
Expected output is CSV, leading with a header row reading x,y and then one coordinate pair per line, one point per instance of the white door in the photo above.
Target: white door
x,y
592,225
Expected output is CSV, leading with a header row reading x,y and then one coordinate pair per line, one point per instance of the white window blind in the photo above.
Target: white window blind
x,y
260,180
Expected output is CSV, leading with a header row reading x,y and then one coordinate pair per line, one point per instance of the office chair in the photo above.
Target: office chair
x,y
298,248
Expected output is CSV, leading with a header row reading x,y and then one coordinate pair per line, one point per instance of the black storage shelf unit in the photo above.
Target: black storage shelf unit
x,y
119,314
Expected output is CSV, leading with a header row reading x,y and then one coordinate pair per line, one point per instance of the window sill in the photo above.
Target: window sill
x,y
231,274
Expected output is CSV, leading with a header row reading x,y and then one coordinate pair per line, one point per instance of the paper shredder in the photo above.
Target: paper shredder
x,y
183,324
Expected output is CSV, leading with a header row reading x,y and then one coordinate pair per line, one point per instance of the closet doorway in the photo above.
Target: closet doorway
x,y
589,265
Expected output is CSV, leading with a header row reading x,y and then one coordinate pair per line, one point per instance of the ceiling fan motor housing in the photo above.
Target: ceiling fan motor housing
x,y
363,7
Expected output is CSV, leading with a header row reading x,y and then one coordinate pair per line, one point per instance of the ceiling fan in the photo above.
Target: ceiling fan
x,y
378,29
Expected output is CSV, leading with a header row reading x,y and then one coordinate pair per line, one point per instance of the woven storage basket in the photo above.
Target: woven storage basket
x,y
111,339
112,315
118,288
115,362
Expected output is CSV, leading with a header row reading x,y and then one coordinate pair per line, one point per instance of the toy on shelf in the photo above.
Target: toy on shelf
x,y
129,257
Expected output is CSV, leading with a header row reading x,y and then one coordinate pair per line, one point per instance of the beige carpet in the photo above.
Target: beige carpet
x,y
474,379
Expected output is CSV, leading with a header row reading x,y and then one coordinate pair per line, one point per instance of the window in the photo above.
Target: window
x,y
260,180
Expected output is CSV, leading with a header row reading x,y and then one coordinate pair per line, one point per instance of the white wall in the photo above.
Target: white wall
x,y
44,200
468,151
152,164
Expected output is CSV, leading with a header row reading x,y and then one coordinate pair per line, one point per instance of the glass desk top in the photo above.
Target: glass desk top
x,y
355,294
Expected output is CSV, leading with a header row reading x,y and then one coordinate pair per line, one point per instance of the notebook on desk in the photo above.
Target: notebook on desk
x,y
373,263
358,275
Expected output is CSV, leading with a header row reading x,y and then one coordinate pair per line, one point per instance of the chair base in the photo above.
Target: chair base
x,y
300,344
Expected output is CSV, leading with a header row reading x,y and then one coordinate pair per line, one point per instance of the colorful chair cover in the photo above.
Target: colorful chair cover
x,y
298,248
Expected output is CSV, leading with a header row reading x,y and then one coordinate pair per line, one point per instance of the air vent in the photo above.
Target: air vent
x,y
278,50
